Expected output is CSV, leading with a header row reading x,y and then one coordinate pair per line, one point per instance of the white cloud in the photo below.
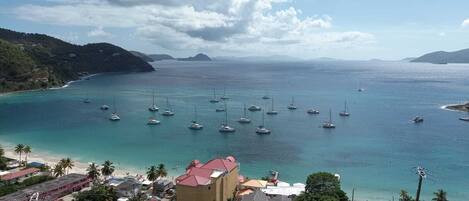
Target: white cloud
x,y
231,25
98,32
465,23
442,34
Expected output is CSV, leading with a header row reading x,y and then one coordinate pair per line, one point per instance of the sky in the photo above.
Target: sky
x,y
344,29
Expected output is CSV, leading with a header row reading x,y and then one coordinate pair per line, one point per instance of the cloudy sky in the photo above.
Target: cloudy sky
x,y
347,29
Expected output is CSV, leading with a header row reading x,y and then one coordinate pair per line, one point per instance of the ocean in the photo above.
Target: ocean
x,y
375,150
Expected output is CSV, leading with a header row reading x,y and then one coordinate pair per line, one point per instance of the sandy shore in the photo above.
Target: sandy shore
x,y
52,159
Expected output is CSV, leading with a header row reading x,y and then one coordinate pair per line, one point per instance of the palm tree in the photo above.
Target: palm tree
x,y
3,163
67,164
152,174
26,151
58,170
93,171
19,150
162,170
107,169
440,195
404,196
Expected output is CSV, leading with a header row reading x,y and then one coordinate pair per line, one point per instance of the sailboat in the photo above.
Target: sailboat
x,y
292,104
224,97
360,89
153,107
329,124
272,111
344,113
168,111
214,99
261,129
244,119
104,107
254,108
114,115
194,125
225,128
265,97
417,119
153,121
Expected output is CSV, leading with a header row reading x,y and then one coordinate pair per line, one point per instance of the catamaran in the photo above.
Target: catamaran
x,y
194,125
261,129
224,97
225,128
214,99
344,113
329,124
244,119
114,115
272,110
292,104
153,107
168,111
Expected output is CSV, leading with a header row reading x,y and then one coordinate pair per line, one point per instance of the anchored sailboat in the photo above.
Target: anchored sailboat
x,y
329,124
244,119
272,110
194,125
153,107
168,111
345,113
225,128
292,104
261,129
114,115
214,99
224,97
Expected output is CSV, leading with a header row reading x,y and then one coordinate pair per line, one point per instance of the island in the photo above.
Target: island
x,y
198,57
442,57
458,107
37,61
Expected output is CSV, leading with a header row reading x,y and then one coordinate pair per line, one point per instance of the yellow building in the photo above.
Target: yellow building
x,y
216,180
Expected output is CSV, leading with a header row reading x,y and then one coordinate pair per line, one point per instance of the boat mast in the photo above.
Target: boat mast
x,y
214,95
195,113
114,104
167,104
245,116
272,107
345,106
226,115
263,122
153,97
330,115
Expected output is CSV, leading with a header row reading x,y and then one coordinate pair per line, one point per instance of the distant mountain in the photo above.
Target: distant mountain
x,y
142,56
160,57
258,58
409,59
441,57
32,61
198,57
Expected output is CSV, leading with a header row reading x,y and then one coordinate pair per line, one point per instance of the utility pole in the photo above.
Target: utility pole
x,y
422,174
353,193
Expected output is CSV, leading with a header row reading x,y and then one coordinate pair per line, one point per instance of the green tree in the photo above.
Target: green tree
x,y
440,195
162,172
26,151
138,197
322,186
19,150
3,162
98,192
152,174
58,170
108,168
93,171
404,196
67,164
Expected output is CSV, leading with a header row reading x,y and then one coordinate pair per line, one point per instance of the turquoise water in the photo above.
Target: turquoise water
x,y
374,150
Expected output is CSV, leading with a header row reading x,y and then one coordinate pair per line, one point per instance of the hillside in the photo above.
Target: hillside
x,y
142,56
198,57
160,57
32,61
441,57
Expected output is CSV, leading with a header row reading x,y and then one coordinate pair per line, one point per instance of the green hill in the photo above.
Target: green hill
x,y
441,57
32,61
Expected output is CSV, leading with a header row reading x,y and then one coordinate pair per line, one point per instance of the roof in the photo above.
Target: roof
x,y
19,174
280,190
255,183
255,196
24,194
199,174
36,164
220,164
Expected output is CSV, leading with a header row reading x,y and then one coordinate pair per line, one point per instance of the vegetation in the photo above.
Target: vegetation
x,y
98,192
440,195
404,196
93,171
67,164
19,150
11,188
34,61
3,161
26,151
108,168
139,197
322,186
441,57
58,170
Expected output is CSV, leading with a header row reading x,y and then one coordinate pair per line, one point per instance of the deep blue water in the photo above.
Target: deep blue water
x,y
374,150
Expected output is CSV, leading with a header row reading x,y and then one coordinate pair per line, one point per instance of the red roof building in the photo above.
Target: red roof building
x,y
19,174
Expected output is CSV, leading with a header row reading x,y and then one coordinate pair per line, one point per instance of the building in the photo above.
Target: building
x,y
12,177
128,188
216,180
161,186
260,196
50,190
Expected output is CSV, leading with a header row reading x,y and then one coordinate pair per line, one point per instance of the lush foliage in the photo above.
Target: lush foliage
x,y
322,186
440,195
98,192
93,171
108,168
404,196
11,188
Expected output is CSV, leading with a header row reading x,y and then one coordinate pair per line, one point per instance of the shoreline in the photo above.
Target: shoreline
x,y
67,84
